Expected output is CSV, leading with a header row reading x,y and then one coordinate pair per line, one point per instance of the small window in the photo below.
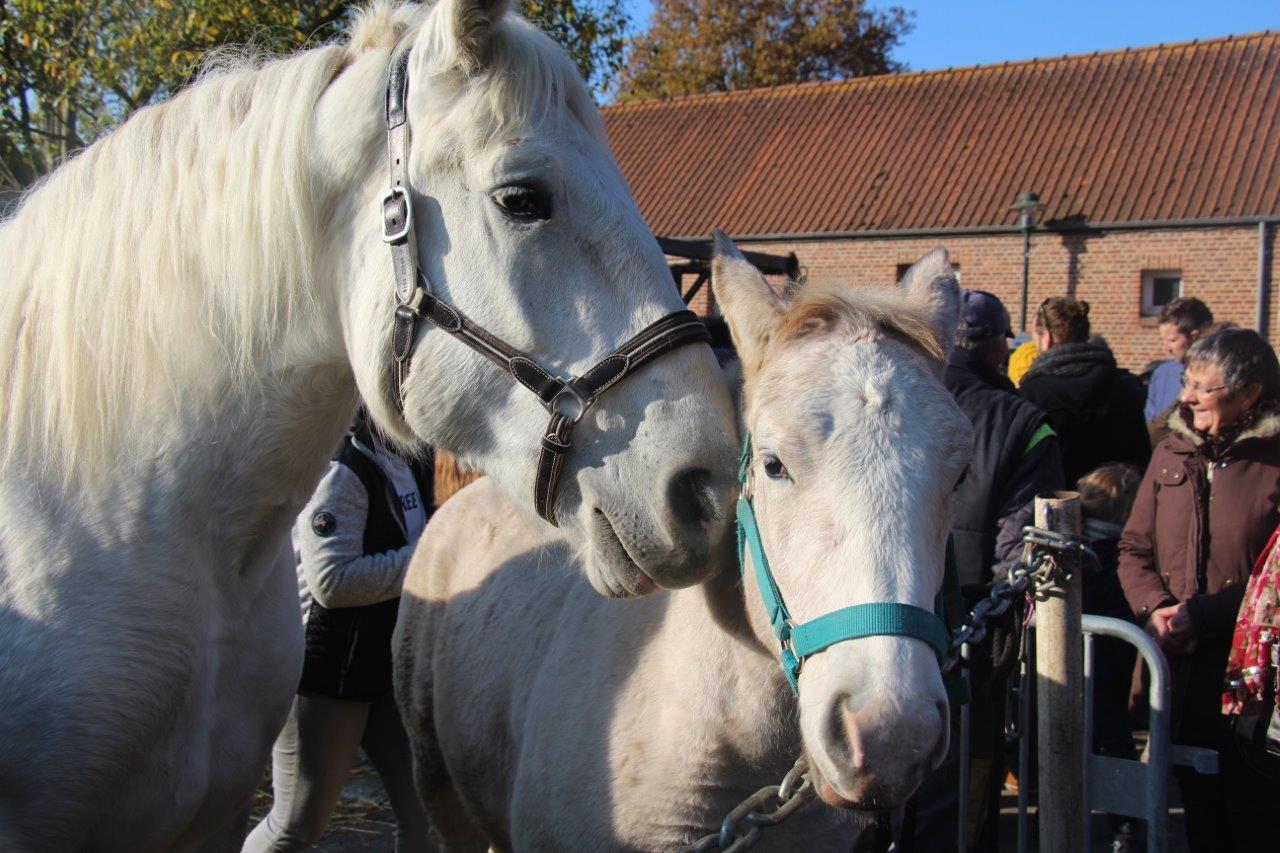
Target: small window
x,y
902,270
1159,288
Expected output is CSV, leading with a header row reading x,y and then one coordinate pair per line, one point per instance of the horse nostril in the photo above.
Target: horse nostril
x,y
692,498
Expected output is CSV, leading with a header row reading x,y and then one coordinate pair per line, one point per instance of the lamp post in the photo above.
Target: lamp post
x,y
1027,205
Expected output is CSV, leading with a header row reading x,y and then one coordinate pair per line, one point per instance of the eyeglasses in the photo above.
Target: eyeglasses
x,y
1197,388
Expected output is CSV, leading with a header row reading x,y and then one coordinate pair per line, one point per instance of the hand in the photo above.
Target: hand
x,y
1172,628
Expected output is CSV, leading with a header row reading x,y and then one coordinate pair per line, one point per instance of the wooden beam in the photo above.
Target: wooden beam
x,y
700,250
697,285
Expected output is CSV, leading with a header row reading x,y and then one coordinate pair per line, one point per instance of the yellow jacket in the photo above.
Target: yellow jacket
x,y
1020,361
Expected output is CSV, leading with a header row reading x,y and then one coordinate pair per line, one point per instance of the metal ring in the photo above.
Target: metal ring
x,y
577,405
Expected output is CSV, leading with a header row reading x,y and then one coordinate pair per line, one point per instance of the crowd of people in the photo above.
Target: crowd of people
x,y
1179,478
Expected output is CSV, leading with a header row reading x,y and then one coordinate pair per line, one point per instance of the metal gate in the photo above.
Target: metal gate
x,y
1138,789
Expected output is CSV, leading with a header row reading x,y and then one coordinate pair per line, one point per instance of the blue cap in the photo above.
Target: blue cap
x,y
982,315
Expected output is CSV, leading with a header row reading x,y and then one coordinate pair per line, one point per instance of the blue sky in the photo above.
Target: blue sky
x,y
954,33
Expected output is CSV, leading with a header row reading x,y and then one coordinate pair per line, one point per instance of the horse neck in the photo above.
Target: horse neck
x,y
721,603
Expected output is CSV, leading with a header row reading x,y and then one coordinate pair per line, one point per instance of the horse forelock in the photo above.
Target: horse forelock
x,y
527,80
853,310
186,240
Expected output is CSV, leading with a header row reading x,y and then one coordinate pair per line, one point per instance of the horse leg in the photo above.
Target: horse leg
x,y
450,828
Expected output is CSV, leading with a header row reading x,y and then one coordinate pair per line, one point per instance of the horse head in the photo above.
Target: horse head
x,y
857,449
524,224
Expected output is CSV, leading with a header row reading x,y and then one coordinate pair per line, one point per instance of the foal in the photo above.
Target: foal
x,y
546,717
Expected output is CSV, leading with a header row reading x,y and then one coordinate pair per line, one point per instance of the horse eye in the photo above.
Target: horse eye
x,y
775,469
963,476
526,204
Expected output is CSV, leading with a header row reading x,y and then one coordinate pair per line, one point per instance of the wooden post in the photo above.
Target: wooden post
x,y
1060,691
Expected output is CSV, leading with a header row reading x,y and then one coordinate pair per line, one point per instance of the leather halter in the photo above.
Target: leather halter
x,y
566,399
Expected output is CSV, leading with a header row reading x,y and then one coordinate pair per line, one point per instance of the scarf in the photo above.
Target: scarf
x,y
1213,447
1252,661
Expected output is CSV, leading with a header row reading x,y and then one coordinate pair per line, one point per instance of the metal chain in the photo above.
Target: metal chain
x,y
1052,573
769,806
1039,571
1004,592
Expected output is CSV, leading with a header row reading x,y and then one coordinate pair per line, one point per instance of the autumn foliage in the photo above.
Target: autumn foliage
x,y
697,46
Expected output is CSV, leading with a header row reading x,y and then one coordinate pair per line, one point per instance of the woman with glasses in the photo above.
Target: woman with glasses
x,y
1204,512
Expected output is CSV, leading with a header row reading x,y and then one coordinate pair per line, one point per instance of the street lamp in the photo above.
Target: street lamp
x,y
1028,205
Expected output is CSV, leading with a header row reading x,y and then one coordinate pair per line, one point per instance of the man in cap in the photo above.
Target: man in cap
x,y
1015,456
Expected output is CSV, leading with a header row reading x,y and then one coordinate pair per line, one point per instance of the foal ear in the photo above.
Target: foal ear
x,y
472,22
931,283
751,307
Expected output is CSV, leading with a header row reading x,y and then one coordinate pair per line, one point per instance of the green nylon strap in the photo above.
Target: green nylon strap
x,y
779,618
870,620
1042,432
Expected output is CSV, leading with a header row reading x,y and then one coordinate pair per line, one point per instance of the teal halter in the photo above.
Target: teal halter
x,y
800,642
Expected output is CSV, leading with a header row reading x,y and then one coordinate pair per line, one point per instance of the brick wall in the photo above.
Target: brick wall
x,y
1219,265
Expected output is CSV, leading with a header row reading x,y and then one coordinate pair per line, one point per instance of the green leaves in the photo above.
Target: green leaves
x,y
70,69
594,32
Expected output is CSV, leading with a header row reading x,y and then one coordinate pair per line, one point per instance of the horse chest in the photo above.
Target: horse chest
x,y
182,696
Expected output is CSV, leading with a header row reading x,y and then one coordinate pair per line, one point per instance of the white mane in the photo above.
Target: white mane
x,y
167,260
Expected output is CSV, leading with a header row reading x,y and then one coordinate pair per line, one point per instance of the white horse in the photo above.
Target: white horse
x,y
544,717
189,310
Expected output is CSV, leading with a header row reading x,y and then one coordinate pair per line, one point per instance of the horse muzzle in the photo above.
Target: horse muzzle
x,y
874,740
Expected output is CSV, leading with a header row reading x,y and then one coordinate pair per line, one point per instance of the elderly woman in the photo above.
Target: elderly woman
x,y
1204,512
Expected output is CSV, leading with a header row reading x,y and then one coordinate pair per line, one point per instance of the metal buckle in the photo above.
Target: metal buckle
x,y
404,230
578,405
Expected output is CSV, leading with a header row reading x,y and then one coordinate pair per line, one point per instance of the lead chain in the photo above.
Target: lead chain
x,y
769,806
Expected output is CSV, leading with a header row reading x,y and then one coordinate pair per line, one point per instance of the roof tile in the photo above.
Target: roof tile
x,y
1185,131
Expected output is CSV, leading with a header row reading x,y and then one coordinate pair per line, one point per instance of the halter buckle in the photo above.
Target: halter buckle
x,y
404,230
573,407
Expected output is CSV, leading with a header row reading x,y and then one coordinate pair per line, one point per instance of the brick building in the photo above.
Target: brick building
x,y
1159,168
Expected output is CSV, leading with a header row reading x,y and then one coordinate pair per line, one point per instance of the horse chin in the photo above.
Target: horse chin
x,y
864,795
609,566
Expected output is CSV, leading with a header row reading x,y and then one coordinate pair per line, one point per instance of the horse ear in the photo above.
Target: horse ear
x,y
931,282
473,22
751,307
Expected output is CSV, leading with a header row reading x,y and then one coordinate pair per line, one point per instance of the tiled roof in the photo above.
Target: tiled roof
x,y
1174,132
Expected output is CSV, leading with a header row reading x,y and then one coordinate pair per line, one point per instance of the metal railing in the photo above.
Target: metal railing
x,y
1138,789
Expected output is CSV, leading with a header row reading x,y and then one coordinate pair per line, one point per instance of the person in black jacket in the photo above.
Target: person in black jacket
x,y
352,545
1094,406
1015,456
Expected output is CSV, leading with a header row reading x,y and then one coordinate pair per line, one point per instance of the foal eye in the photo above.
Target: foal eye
x,y
523,203
775,469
